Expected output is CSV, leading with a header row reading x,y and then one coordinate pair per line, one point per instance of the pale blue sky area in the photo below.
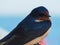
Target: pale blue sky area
x,y
24,7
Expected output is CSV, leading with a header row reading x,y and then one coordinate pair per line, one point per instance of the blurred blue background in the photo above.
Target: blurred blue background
x,y
13,12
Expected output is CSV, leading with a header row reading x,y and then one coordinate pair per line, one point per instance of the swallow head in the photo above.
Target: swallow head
x,y
40,12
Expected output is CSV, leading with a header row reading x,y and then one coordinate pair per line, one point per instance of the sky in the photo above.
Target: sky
x,y
3,33
12,8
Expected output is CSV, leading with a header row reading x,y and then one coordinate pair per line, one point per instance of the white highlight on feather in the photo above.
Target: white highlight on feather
x,y
38,20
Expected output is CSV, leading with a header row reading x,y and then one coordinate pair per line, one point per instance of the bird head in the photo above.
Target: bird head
x,y
40,13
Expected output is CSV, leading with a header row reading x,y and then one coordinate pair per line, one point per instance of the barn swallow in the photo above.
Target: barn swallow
x,y
30,30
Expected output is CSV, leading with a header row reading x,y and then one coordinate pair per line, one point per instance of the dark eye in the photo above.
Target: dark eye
x,y
41,15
